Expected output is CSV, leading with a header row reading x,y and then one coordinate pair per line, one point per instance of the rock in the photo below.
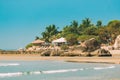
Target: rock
x,y
90,45
103,52
117,42
69,54
56,53
46,53
87,54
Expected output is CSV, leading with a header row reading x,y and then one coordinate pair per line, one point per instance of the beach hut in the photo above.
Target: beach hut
x,y
38,42
59,41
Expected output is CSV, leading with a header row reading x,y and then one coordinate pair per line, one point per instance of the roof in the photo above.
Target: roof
x,y
59,40
38,41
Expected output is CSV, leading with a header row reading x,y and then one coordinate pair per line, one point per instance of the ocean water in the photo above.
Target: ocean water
x,y
57,70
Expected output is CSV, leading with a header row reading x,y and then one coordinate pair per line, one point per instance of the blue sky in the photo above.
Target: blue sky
x,y
22,20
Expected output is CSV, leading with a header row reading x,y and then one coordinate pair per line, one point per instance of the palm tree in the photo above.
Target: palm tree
x,y
86,23
99,23
49,32
74,27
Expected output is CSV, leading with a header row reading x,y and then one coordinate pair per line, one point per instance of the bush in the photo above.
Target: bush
x,y
64,47
72,38
29,45
87,37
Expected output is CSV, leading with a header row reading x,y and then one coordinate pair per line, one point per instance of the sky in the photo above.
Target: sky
x,y
22,20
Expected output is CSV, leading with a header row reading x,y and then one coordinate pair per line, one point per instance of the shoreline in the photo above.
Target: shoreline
x,y
37,57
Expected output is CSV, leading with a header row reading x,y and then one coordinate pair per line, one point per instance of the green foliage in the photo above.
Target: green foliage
x,y
103,34
86,23
54,37
84,31
1,50
74,27
90,30
113,29
99,23
29,45
71,29
86,37
72,39
64,47
50,31
36,38
114,24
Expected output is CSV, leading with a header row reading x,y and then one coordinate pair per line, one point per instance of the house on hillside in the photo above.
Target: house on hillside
x,y
59,41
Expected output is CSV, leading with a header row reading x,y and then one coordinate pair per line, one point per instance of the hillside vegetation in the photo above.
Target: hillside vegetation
x,y
76,32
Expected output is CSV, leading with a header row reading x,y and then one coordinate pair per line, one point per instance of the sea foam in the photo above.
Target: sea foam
x,y
60,71
100,68
9,64
2,75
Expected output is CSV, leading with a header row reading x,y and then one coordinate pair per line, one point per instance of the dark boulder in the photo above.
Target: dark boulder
x,y
103,52
46,53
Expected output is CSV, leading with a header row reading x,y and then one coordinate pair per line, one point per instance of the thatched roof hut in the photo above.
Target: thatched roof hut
x,y
38,42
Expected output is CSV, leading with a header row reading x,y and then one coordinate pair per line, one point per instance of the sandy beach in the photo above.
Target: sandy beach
x,y
32,57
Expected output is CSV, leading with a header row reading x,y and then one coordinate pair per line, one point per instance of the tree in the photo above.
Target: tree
x,y
86,37
36,38
86,23
103,34
71,32
72,39
85,30
113,28
99,23
49,32
74,27
114,24
90,30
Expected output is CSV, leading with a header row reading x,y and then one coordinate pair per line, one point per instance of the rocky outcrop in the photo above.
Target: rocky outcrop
x,y
117,42
90,45
56,53
103,52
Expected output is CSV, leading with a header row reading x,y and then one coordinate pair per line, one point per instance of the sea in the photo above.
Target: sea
x,y
57,70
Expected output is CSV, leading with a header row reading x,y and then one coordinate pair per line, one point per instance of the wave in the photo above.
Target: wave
x,y
100,68
9,64
60,71
3,75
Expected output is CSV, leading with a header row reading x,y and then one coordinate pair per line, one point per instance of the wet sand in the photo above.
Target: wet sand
x,y
32,57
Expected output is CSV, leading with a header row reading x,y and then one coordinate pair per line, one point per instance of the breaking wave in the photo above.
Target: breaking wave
x,y
3,75
100,68
9,64
60,71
